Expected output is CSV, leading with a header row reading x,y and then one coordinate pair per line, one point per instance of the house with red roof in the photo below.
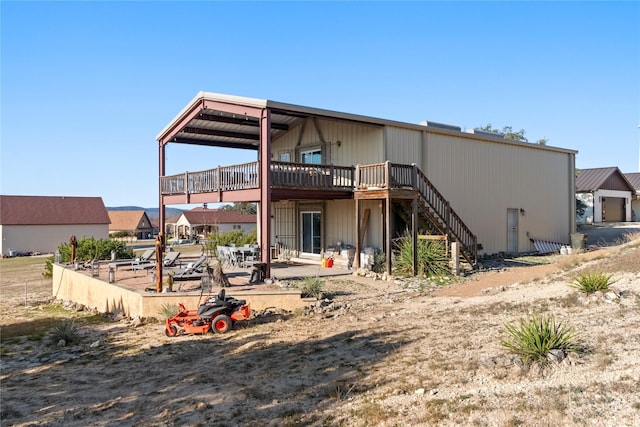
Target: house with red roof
x,y
201,221
39,224
135,223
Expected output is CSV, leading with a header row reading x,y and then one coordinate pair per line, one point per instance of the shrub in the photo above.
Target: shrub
x,y
532,339
379,263
120,234
167,310
67,331
236,237
88,249
592,282
312,287
432,258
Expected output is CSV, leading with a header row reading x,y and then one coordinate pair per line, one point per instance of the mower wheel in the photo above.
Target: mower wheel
x,y
172,331
222,324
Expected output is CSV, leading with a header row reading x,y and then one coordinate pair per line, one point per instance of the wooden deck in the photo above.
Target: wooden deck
x,y
300,181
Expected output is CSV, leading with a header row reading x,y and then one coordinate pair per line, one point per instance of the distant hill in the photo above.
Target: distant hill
x,y
152,213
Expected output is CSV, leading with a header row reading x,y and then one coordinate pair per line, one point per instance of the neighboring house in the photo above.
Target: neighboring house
x,y
202,221
136,223
32,224
634,180
606,193
323,177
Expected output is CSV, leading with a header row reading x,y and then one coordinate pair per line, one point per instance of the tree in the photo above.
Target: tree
x,y
245,208
581,207
509,133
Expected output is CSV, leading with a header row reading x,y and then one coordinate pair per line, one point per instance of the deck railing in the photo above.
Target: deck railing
x,y
454,226
319,177
385,175
329,177
246,176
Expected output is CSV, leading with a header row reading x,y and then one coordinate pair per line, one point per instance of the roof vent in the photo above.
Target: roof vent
x,y
485,133
440,125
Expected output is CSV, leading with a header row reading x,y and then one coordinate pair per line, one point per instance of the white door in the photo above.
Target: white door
x,y
512,230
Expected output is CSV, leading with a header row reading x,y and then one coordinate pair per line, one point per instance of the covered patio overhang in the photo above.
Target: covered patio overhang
x,y
218,120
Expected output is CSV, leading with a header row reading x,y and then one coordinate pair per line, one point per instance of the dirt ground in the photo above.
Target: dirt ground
x,y
375,353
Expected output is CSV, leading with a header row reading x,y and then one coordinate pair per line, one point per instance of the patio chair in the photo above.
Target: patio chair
x,y
141,260
170,258
147,255
228,256
194,270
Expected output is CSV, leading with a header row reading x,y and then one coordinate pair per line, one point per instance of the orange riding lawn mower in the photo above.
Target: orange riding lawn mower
x,y
217,313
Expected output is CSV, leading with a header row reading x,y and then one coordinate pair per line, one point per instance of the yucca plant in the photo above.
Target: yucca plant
x,y
167,310
66,331
312,287
532,339
592,282
432,258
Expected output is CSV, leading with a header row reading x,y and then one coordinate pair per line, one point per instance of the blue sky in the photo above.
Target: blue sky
x,y
87,86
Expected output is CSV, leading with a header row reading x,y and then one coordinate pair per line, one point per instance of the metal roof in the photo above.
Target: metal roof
x,y
634,180
215,119
610,178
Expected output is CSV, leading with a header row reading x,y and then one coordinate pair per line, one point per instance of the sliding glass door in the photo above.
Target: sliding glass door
x,y
310,232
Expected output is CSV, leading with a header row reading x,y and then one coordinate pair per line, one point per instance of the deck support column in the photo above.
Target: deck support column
x,y
162,219
414,234
356,258
264,162
387,227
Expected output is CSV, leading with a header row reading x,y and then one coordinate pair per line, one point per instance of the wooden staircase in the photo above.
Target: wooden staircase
x,y
435,214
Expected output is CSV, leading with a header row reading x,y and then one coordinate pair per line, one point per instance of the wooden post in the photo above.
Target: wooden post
x,y
387,222
159,252
356,257
455,258
414,234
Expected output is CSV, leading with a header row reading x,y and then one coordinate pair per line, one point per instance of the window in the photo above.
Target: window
x,y
285,156
237,227
311,157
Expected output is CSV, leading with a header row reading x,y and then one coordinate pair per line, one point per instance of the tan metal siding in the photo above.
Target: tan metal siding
x,y
483,179
403,145
358,143
340,223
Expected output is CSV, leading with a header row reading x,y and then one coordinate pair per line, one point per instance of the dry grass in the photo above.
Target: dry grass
x,y
363,366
